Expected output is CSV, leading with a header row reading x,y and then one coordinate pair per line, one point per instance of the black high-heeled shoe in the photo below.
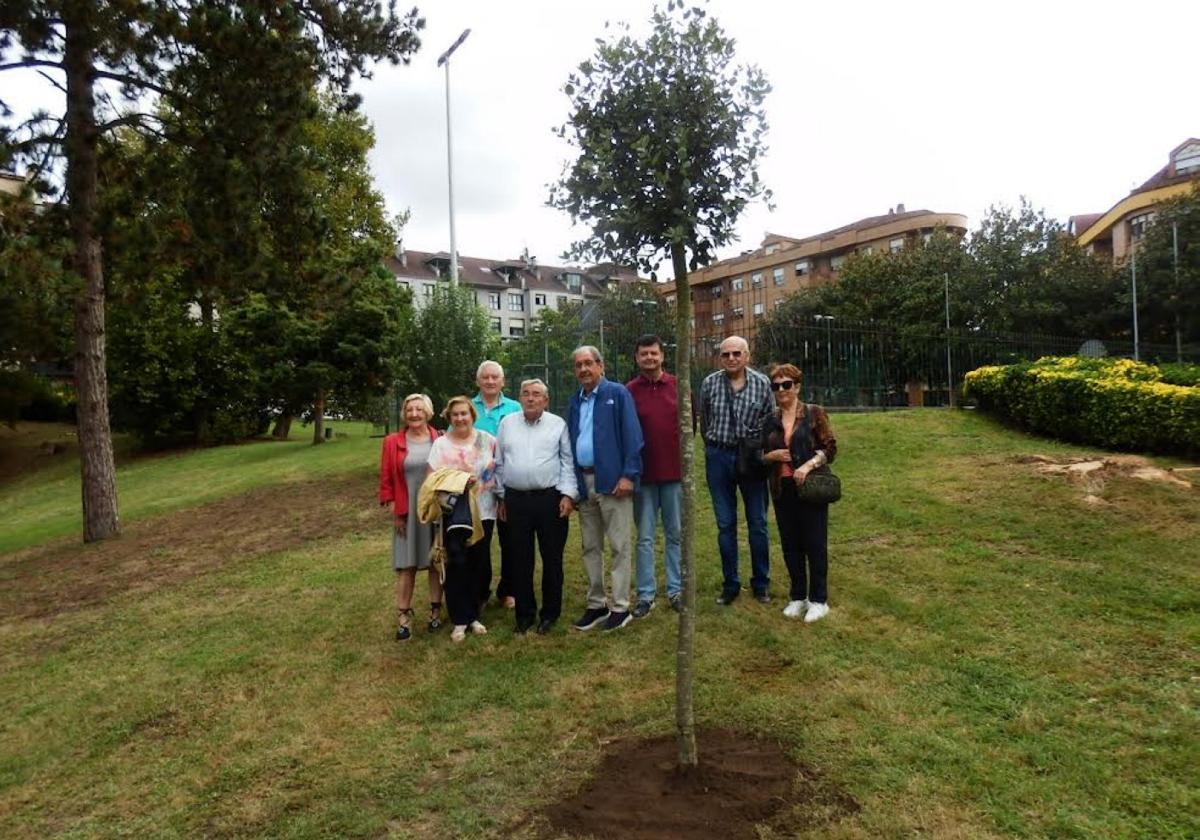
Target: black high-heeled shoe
x,y
435,617
403,631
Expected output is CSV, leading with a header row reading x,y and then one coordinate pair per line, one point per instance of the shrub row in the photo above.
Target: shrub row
x,y
1113,403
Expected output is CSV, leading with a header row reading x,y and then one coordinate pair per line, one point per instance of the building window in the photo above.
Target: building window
x,y
516,302
429,287
738,312
493,300
403,284
926,236
516,327
563,300
836,263
539,300
670,300
771,249
778,276
867,250
759,309
737,284
497,327
718,317
803,267
1138,225
756,279
573,280
896,245
716,292
778,302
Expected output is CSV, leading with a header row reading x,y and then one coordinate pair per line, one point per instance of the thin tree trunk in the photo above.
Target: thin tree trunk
x,y
97,469
319,417
685,717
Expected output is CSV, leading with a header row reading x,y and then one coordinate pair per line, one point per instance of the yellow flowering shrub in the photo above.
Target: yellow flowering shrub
x,y
1115,403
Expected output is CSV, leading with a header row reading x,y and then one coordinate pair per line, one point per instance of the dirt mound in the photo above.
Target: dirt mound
x,y
47,580
638,791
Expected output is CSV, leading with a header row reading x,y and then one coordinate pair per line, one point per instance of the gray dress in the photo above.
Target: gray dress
x,y
412,551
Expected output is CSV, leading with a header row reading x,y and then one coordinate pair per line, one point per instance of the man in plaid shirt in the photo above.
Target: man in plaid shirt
x,y
734,401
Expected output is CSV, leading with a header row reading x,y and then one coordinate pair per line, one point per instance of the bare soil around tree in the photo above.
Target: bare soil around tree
x,y
743,782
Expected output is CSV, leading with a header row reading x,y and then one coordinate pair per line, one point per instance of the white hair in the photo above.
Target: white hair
x,y
590,350
530,383
487,363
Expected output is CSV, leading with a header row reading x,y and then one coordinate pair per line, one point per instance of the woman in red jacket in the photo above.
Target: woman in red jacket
x,y
401,471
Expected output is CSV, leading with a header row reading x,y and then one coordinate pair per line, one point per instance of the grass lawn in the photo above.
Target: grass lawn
x,y
1001,659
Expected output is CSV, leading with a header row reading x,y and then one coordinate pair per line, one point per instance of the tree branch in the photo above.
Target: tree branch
x,y
52,80
129,119
134,81
31,62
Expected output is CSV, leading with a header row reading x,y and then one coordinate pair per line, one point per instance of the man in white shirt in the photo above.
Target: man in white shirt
x,y
535,472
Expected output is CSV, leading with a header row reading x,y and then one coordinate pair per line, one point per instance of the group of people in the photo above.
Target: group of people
x,y
513,470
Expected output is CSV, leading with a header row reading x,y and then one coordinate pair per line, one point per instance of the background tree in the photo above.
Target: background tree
x,y
452,334
79,45
1168,275
669,133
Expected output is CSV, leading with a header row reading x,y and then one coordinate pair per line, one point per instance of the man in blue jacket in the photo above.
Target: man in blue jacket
x,y
606,441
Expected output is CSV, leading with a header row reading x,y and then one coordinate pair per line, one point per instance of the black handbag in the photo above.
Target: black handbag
x,y
749,463
822,486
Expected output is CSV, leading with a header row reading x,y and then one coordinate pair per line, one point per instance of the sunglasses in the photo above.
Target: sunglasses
x,y
785,385
731,354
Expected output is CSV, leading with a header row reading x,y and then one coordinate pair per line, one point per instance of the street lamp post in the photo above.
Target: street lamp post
x,y
444,60
1133,277
828,319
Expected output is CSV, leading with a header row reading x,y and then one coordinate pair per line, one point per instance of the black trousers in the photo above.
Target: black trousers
x,y
804,535
468,572
504,587
535,514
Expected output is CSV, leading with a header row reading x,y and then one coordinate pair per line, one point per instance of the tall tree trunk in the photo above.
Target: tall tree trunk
x,y
685,716
319,417
97,469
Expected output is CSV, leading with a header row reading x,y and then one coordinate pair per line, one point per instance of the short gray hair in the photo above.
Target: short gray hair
x,y
587,348
485,364
529,383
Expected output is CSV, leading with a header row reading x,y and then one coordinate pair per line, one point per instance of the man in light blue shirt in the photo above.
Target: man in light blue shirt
x,y
492,406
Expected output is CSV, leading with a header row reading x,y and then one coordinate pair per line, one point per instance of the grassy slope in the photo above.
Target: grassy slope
x,y
1000,660
45,504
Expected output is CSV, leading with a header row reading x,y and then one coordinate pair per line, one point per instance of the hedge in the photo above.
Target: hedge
x,y
1113,403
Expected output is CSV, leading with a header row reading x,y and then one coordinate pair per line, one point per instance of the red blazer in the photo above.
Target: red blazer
x,y
392,486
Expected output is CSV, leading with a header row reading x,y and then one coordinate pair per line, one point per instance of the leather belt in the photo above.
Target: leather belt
x,y
587,470
541,491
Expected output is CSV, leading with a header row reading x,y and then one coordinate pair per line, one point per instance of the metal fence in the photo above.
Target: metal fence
x,y
844,365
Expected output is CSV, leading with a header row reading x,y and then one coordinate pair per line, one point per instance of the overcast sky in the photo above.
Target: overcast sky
x,y
949,106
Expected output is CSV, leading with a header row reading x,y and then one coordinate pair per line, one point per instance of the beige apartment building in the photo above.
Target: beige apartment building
x,y
1116,231
730,297
515,292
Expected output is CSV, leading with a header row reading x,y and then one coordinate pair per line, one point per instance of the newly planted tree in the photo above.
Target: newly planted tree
x,y
669,133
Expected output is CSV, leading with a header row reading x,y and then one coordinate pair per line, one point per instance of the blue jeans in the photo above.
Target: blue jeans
x,y
650,499
720,469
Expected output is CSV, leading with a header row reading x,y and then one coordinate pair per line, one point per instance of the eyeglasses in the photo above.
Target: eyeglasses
x,y
731,354
785,385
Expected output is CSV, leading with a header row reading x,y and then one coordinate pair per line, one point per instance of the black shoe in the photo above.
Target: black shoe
x,y
544,626
762,597
676,602
403,633
592,617
643,609
617,620
726,598
523,627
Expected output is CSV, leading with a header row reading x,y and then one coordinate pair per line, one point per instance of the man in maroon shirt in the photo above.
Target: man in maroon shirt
x,y
661,489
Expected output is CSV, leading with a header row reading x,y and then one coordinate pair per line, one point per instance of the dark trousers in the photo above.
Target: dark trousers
x,y
535,514
468,572
504,588
804,534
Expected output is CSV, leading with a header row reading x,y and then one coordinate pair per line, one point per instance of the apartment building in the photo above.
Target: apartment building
x,y
514,292
1117,230
730,297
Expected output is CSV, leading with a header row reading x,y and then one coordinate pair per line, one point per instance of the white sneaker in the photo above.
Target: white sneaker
x,y
478,629
458,633
816,612
795,609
